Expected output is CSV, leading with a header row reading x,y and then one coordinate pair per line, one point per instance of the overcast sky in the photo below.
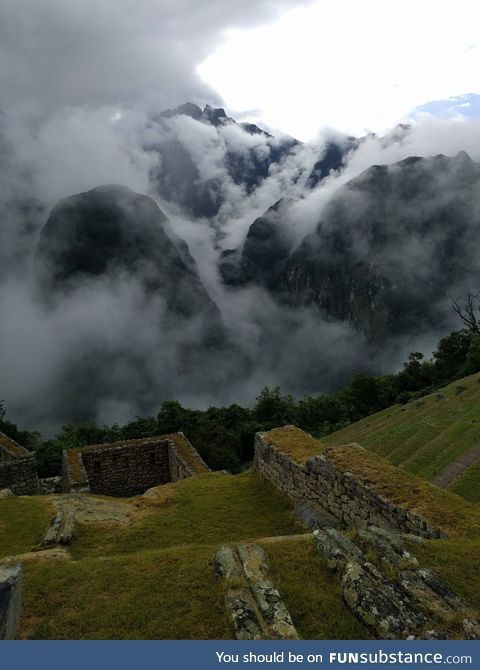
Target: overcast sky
x,y
93,52
298,65
355,65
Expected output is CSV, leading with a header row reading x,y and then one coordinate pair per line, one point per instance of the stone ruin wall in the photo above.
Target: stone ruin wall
x,y
339,493
128,468
178,465
18,468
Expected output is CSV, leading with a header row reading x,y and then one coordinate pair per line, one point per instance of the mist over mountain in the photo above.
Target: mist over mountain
x,y
220,259
201,153
113,231
391,247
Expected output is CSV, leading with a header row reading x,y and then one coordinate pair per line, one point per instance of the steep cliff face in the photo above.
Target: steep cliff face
x,y
392,246
264,253
391,249
203,153
111,230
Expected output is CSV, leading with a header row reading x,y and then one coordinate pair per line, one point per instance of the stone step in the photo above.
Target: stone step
x,y
61,529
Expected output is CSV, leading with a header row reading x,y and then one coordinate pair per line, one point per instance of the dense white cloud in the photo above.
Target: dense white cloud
x,y
352,65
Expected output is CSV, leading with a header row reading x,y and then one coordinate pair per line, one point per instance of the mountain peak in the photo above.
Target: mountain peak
x,y
463,156
187,109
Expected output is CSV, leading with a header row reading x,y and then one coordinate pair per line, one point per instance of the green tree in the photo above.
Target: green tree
x,y
451,356
273,409
472,364
417,373
172,418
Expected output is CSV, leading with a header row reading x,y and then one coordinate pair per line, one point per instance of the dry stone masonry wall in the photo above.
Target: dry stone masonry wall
x,y
130,467
350,501
127,469
381,581
18,468
183,459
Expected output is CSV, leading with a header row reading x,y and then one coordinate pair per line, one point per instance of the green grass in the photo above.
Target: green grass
x,y
456,561
423,440
173,594
153,579
23,522
311,593
209,509
468,484
166,594
295,443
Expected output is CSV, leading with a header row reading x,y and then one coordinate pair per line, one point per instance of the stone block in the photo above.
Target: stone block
x,y
241,611
225,563
273,611
313,516
10,600
254,560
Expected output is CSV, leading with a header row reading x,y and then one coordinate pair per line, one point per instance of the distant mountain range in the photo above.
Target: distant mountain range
x,y
389,249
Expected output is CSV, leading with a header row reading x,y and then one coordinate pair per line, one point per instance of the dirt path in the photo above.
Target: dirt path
x,y
457,467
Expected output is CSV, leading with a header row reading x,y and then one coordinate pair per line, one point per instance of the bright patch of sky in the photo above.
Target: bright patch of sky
x,y
459,107
354,66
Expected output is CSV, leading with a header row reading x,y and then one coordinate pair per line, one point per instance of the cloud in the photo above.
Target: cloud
x,y
77,148
79,81
357,66
426,137
58,53
105,352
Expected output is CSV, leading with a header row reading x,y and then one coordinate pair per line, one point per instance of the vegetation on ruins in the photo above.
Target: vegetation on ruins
x,y
153,579
119,584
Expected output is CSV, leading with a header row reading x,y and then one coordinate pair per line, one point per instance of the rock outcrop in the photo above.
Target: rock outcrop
x,y
10,600
253,604
393,604
110,248
264,253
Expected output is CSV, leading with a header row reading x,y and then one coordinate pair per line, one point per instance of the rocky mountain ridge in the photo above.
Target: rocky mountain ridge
x,y
390,248
248,155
